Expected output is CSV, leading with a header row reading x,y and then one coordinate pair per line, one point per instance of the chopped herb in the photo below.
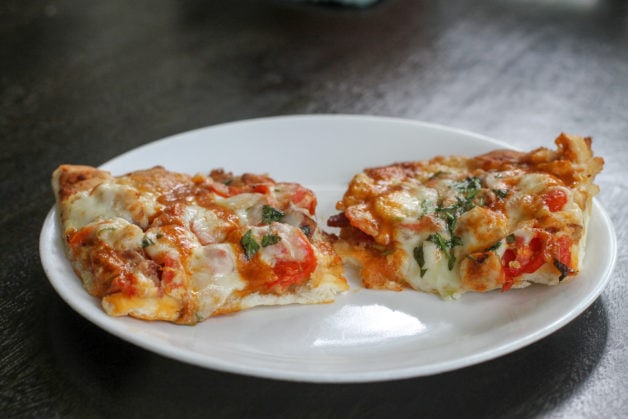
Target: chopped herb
x,y
466,203
270,214
470,184
146,241
159,235
494,247
227,182
452,220
438,240
455,241
445,246
470,187
420,258
306,229
437,174
450,216
270,239
470,194
424,208
249,245
564,269
510,238
501,193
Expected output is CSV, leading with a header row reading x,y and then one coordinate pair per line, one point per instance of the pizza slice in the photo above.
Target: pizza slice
x,y
454,224
159,245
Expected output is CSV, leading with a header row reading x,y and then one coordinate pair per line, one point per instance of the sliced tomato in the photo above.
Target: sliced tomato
x,y
562,250
263,188
522,258
303,198
555,199
294,271
291,259
169,269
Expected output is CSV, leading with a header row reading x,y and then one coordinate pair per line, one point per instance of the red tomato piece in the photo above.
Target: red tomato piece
x,y
522,258
169,269
563,250
263,188
127,283
304,198
289,270
220,188
555,199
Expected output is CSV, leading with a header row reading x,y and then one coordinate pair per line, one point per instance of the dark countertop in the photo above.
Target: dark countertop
x,y
83,82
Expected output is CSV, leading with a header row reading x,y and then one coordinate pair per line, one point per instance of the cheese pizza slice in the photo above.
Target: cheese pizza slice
x,y
159,245
455,224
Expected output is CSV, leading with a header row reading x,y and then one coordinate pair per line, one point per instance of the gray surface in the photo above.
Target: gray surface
x,y
82,83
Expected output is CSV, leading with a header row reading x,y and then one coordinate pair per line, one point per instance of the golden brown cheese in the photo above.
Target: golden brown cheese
x,y
454,224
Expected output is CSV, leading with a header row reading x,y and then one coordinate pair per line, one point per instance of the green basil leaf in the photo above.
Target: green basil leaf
x,y
501,193
270,239
494,247
270,214
146,241
419,256
249,245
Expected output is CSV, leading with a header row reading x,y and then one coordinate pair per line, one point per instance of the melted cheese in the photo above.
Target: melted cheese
x,y
214,276
247,206
109,200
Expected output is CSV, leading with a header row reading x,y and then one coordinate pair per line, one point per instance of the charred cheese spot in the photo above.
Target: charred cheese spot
x,y
481,271
480,228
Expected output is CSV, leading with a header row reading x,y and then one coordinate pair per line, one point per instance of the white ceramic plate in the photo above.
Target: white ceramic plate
x,y
365,335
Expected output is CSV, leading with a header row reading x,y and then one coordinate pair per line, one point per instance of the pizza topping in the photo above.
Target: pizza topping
x,y
270,239
446,246
270,214
524,257
555,199
215,276
501,193
249,244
